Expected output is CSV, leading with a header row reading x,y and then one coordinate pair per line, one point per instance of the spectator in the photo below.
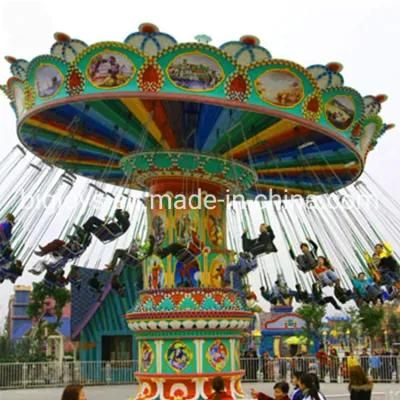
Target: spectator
x,y
364,360
394,362
218,386
386,374
322,358
297,394
283,367
352,360
74,392
359,387
375,364
310,387
253,364
333,365
281,390
268,367
302,364
345,366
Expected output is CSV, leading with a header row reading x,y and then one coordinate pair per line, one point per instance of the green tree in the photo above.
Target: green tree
x,y
40,293
23,350
370,320
393,323
350,327
312,315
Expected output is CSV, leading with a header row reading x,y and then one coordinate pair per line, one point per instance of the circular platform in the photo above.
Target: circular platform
x,y
84,108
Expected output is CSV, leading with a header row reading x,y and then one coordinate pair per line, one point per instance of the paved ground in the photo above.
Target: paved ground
x,y
383,392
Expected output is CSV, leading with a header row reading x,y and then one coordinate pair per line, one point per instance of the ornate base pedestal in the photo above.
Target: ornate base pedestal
x,y
186,338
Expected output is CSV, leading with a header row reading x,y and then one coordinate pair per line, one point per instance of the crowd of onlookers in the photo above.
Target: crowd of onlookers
x,y
305,374
382,366
305,386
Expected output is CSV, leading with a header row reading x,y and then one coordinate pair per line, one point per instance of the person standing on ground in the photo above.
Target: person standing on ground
x,y
218,386
74,392
360,387
364,360
309,385
334,364
281,390
375,364
297,394
322,358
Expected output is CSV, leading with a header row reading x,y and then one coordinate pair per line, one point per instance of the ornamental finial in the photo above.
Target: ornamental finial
x,y
203,38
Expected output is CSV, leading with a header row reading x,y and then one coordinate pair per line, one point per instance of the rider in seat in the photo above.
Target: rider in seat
x,y
262,245
306,261
111,230
75,247
234,273
6,227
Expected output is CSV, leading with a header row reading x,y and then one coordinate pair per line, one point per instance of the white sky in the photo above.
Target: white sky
x,y
362,35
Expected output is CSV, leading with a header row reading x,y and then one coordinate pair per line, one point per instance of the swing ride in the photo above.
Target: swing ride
x,y
193,119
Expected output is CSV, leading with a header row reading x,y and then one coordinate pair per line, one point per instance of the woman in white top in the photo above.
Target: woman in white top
x,y
309,385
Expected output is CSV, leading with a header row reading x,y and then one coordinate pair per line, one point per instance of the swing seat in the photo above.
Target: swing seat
x,y
58,282
10,275
56,266
132,260
71,253
96,290
106,235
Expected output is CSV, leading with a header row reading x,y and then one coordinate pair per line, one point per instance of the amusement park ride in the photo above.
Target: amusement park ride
x,y
174,118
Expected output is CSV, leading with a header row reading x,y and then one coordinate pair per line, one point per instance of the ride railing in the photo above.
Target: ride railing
x,y
42,374
384,369
381,369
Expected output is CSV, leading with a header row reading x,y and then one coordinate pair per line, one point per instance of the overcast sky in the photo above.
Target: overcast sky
x,y
363,35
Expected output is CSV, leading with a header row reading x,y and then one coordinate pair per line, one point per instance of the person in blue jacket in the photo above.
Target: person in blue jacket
x,y
6,230
366,288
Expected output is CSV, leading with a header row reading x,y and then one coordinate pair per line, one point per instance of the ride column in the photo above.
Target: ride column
x,y
187,324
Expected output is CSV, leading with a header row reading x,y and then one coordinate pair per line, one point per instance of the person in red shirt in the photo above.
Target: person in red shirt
x,y
281,390
218,386
322,358
324,272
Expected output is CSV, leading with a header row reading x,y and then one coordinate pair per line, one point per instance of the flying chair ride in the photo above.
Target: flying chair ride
x,y
175,118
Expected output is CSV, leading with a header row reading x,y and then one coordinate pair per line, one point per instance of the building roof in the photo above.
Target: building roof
x,y
86,301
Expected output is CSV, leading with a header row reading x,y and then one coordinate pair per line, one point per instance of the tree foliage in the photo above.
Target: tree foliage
x,y
24,350
370,320
393,324
40,293
312,314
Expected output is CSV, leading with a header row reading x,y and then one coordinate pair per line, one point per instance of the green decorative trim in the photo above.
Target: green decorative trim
x,y
312,106
238,95
30,95
144,335
144,166
367,143
74,74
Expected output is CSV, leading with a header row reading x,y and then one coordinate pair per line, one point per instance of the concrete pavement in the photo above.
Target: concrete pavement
x,y
125,392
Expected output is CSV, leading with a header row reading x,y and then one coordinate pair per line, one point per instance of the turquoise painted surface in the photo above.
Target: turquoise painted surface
x,y
109,318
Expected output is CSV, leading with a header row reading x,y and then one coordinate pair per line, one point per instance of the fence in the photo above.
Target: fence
x,y
25,375
382,369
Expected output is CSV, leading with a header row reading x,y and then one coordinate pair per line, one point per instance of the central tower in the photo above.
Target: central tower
x,y
188,324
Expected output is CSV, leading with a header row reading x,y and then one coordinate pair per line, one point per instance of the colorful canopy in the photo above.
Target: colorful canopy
x,y
84,108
